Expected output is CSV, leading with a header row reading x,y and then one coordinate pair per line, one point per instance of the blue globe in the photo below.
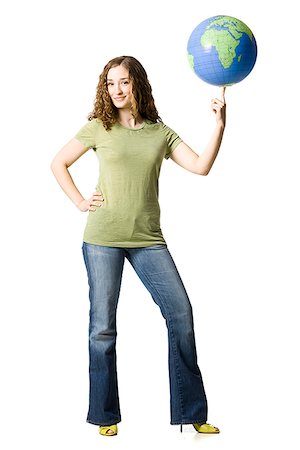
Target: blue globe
x,y
222,50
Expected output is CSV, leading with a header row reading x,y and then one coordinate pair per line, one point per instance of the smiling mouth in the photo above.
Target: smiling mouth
x,y
119,98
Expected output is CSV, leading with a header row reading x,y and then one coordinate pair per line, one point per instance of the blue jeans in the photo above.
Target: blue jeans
x,y
155,267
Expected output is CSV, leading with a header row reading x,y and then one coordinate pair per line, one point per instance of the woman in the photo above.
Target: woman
x,y
130,141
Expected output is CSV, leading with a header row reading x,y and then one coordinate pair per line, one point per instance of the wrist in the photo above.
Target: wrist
x,y
78,203
220,125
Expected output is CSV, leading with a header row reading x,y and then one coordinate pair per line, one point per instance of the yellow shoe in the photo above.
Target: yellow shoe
x,y
206,428
110,430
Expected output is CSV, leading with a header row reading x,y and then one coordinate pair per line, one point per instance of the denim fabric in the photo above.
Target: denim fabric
x,y
155,267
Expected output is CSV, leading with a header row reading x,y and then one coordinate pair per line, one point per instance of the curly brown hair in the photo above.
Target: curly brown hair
x,y
143,103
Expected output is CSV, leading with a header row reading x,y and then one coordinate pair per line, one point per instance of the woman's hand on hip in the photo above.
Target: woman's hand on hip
x,y
90,203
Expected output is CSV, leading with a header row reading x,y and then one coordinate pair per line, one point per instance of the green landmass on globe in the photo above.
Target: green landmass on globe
x,y
225,41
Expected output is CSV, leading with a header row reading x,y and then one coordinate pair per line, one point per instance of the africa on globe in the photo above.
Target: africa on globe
x,y
222,50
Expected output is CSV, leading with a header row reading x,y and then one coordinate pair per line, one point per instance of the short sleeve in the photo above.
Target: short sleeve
x,y
172,140
86,135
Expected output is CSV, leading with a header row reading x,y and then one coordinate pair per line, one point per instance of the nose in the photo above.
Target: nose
x,y
118,89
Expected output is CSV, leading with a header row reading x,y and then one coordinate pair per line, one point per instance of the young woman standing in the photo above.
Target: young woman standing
x,y
131,141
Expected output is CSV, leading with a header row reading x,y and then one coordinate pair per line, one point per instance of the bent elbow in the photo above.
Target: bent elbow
x,y
204,173
53,165
203,170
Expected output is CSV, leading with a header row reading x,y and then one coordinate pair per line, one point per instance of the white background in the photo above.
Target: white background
x,y
233,235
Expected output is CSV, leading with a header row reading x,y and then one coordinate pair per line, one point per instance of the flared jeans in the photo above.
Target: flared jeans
x,y
155,267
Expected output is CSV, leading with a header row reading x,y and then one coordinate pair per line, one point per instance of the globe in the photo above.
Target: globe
x,y
222,50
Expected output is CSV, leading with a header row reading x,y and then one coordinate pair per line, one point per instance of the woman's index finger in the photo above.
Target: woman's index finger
x,y
223,93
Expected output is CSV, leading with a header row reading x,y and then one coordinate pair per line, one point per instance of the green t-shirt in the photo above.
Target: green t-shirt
x,y
129,166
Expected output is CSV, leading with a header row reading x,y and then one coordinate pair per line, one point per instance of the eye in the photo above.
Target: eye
x,y
125,82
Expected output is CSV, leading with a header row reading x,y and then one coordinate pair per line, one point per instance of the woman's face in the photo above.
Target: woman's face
x,y
119,87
